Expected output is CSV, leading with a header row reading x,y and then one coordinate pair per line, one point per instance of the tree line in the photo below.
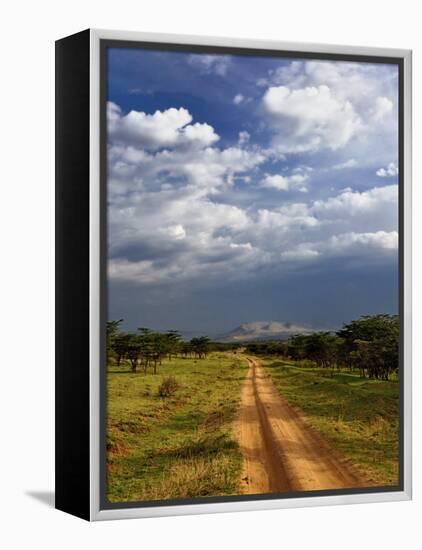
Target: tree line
x,y
147,348
369,344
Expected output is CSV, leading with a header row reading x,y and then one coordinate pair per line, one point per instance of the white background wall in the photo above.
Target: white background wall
x,y
28,31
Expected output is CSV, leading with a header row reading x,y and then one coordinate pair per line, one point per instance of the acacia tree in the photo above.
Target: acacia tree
x,y
372,343
146,347
155,346
112,330
322,348
272,347
369,344
186,349
120,346
146,339
200,346
173,342
133,350
296,347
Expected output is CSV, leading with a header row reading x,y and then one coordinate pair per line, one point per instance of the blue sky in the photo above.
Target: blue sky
x,y
250,188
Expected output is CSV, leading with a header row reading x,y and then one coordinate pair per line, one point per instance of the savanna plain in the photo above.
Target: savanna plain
x,y
198,419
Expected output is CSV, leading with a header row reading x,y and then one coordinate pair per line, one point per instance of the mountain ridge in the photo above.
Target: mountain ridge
x,y
264,330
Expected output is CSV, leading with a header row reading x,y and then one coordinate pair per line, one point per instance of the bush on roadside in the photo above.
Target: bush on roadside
x,y
168,387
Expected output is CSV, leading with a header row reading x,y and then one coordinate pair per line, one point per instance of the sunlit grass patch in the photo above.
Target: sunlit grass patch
x,y
357,415
176,445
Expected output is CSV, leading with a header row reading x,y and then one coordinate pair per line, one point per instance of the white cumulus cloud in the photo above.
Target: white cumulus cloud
x,y
214,63
383,107
350,163
342,107
170,128
310,118
284,183
175,212
244,137
391,170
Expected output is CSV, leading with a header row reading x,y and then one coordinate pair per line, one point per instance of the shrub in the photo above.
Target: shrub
x,y
168,387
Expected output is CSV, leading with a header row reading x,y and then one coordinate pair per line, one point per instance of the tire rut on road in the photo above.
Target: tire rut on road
x,y
281,452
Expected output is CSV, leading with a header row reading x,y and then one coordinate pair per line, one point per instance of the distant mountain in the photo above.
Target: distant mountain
x,y
187,335
264,330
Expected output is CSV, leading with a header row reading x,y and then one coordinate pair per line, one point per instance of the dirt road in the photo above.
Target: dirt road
x,y
280,451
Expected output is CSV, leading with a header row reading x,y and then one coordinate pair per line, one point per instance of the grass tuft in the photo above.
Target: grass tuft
x,y
198,477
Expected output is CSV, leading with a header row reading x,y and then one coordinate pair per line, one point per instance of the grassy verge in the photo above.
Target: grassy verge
x,y
358,416
180,446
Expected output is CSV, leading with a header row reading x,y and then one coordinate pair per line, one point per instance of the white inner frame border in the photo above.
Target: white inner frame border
x,y
96,513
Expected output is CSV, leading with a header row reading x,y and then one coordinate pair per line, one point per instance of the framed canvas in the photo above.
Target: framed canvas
x,y
233,281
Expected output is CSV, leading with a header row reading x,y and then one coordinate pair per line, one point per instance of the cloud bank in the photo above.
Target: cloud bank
x,y
201,196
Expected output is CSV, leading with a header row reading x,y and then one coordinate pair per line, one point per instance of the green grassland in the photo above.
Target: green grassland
x,y
182,446
359,416
179,446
